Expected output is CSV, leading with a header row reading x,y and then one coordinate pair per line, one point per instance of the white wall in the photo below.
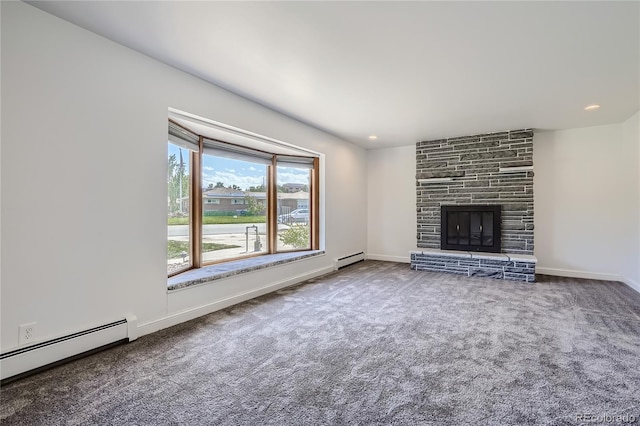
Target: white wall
x,y
83,165
586,202
631,137
391,203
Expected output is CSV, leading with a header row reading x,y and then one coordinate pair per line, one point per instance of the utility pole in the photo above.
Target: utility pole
x,y
180,171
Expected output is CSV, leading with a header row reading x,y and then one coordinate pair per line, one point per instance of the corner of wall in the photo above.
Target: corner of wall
x,y
633,284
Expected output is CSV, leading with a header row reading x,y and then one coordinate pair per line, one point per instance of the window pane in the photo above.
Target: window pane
x,y
294,231
463,230
487,229
234,207
475,229
453,225
178,235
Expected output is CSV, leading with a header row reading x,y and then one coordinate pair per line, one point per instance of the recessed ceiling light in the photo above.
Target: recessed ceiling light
x,y
373,137
592,107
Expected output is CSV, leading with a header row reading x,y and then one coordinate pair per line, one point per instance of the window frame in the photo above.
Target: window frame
x,y
196,202
312,237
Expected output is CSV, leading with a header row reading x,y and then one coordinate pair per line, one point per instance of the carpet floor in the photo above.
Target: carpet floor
x,y
372,344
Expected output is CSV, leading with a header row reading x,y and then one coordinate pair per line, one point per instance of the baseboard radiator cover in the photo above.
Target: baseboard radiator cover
x,y
28,360
349,260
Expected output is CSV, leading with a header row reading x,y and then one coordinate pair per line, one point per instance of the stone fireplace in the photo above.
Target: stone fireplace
x,y
475,173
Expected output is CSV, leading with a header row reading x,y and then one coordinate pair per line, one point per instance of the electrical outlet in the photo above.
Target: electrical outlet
x,y
27,333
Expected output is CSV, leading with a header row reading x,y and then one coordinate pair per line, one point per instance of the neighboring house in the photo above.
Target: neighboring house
x,y
287,201
227,200
293,200
294,187
233,200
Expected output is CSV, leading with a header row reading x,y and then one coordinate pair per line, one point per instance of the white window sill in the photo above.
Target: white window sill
x,y
236,267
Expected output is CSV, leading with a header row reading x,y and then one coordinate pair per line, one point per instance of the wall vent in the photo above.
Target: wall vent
x,y
348,260
32,359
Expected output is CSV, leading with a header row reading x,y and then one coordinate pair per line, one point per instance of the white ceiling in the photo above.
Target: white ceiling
x,y
405,71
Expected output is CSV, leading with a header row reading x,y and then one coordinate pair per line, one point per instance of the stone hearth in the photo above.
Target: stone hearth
x,y
515,267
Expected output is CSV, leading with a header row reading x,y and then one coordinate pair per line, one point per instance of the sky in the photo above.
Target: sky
x,y
236,172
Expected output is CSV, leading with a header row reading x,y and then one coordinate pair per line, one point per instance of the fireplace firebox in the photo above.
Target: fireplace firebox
x,y
470,228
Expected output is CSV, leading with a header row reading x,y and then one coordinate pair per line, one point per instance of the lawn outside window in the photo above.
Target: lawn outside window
x,y
227,201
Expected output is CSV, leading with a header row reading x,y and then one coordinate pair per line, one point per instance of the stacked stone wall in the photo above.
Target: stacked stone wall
x,y
487,169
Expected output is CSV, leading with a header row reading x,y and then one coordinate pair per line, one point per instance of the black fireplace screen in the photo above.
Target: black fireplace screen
x,y
470,228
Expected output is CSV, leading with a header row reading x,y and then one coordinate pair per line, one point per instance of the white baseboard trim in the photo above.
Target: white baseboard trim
x,y
386,258
631,283
198,311
578,274
589,275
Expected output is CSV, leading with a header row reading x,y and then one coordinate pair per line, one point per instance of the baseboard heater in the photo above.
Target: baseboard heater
x,y
348,260
32,359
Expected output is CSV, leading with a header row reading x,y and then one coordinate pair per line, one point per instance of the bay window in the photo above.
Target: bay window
x,y
227,201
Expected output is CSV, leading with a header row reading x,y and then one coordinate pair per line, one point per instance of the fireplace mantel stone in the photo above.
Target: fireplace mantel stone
x,y
486,169
514,267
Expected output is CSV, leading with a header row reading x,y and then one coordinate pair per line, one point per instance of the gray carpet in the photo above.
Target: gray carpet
x,y
374,343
